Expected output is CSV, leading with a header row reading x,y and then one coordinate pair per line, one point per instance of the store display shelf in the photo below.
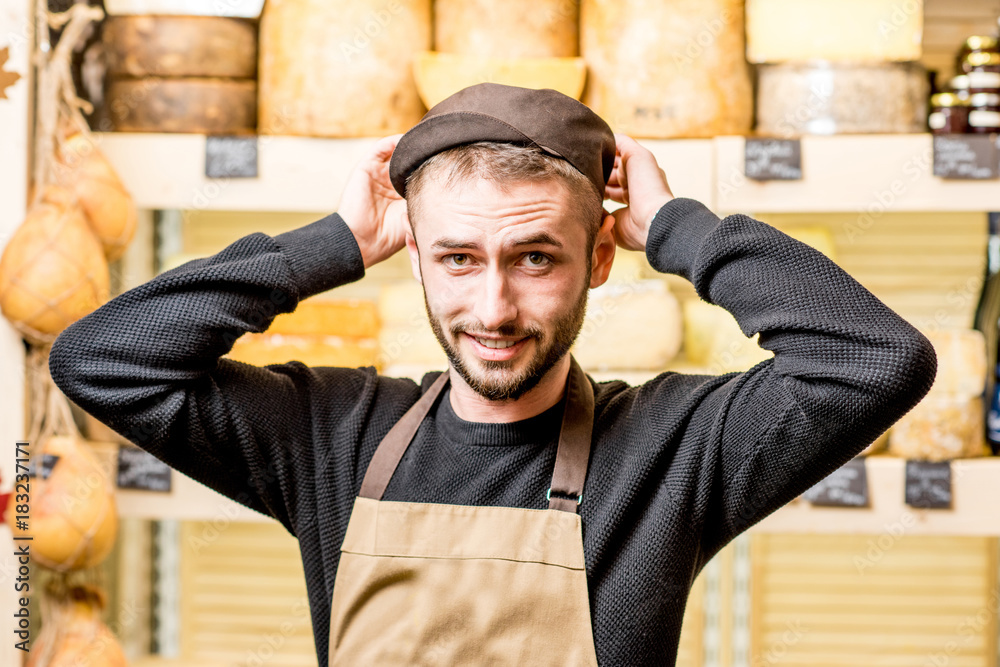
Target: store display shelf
x,y
867,174
306,174
976,497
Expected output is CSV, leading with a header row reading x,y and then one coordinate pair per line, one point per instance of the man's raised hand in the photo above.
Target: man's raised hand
x,y
372,209
639,183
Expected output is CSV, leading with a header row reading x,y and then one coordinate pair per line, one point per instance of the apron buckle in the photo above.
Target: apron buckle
x,y
548,496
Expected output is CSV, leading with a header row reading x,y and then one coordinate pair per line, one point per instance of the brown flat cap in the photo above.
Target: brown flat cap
x,y
556,123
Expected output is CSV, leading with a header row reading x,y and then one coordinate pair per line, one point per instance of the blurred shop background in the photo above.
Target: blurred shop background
x,y
866,128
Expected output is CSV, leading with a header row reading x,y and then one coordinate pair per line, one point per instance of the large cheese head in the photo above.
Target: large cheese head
x,y
835,30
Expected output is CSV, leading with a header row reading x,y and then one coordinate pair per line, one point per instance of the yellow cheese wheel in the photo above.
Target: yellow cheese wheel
x,y
508,29
961,355
940,427
267,348
353,318
340,68
667,68
834,30
439,75
630,326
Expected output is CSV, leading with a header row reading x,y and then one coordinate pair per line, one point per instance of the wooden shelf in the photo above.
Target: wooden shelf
x,y
976,497
846,173
872,174
305,174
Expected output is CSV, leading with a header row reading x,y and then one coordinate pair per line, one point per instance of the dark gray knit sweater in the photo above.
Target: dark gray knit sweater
x,y
679,466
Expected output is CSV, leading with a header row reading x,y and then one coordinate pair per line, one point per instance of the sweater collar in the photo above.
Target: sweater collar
x,y
541,429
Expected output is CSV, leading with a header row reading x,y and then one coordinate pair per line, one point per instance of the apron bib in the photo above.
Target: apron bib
x,y
439,584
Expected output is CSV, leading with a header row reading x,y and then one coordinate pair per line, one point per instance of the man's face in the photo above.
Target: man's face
x,y
505,279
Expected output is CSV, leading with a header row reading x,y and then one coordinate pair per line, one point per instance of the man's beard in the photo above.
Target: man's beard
x,y
507,386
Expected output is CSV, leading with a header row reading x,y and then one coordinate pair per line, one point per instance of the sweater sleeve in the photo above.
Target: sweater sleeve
x,y
845,366
148,364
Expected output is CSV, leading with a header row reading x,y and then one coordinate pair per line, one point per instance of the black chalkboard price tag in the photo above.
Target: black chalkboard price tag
x,y
772,159
928,484
48,463
847,486
230,157
966,156
138,469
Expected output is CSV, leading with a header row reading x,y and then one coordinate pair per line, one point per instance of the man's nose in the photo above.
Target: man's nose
x,y
495,300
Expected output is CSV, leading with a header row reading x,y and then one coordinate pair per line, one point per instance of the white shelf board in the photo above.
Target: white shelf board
x,y
975,494
975,499
866,174
307,174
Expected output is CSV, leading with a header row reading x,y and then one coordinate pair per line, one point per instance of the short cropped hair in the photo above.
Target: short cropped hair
x,y
506,164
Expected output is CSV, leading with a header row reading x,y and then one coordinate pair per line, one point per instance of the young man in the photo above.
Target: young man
x,y
508,510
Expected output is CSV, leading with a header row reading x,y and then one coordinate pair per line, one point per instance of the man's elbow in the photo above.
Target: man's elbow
x,y
914,369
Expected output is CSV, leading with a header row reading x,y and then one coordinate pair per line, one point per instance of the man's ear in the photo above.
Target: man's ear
x,y
604,251
411,247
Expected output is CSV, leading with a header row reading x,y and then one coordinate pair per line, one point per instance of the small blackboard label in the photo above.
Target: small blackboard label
x,y
48,463
138,469
928,484
846,486
966,156
773,159
231,157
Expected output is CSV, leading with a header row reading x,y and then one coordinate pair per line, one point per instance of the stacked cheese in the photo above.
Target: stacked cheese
x,y
318,333
527,43
170,73
949,422
667,69
837,66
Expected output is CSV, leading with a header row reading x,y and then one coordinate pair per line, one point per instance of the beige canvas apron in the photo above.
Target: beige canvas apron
x,y
439,584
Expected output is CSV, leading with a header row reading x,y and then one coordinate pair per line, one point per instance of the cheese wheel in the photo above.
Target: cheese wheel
x,y
312,350
841,98
198,105
942,426
961,357
836,30
410,344
630,326
177,46
244,8
667,68
440,75
714,341
347,318
402,303
341,68
509,29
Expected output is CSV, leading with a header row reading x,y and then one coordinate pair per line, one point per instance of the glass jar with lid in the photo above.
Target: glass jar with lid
x,y
976,44
983,70
984,113
949,114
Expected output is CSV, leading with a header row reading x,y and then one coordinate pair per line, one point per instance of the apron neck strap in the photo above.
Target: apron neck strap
x,y
572,455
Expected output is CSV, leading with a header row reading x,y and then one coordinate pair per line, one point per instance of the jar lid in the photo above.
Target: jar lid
x,y
981,58
948,100
981,42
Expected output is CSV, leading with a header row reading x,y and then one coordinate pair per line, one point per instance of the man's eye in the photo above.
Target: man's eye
x,y
537,259
459,260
